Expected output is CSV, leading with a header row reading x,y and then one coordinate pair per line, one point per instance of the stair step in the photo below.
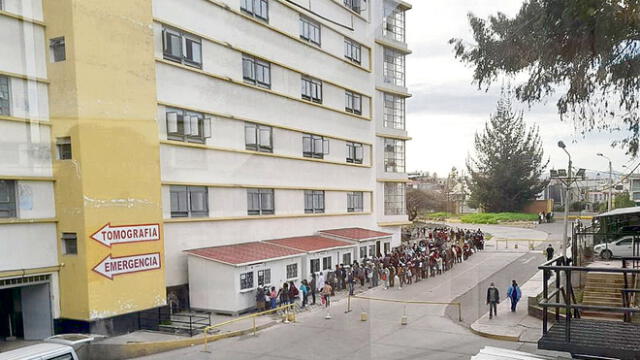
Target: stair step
x,y
602,303
601,314
607,294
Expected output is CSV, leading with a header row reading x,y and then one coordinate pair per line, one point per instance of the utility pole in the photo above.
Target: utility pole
x,y
610,202
565,239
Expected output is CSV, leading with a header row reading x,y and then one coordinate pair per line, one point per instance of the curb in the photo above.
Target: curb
x,y
494,336
99,351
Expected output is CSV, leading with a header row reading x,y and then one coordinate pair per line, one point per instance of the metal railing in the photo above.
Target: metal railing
x,y
553,299
285,308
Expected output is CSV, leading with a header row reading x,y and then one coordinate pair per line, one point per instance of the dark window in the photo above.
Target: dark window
x,y
5,96
310,30
372,250
353,5
182,47
256,8
346,258
314,146
292,271
355,201
57,48
187,126
326,263
260,201
353,102
314,265
352,51
67,356
354,152
63,144
363,252
256,72
387,248
264,277
313,201
70,243
258,137
246,280
7,198
189,201
311,89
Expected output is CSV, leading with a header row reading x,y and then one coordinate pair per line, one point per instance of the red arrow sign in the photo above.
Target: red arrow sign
x,y
109,235
113,266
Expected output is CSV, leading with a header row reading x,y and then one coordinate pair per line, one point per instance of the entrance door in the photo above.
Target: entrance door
x,y
377,247
36,312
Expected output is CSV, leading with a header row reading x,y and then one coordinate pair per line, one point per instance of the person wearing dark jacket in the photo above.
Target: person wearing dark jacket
x,y
493,299
312,288
549,252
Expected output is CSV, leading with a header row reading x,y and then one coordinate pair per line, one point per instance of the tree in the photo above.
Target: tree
x,y
622,200
588,49
506,171
421,201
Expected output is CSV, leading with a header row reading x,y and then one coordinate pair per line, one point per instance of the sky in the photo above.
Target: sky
x,y
447,109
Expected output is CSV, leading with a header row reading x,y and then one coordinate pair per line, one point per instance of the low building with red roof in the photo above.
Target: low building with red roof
x,y
369,242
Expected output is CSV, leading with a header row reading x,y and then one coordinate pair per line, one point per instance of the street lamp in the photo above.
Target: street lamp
x,y
610,181
565,239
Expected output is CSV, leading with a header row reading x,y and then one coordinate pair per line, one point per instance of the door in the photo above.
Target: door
x,y
36,312
624,247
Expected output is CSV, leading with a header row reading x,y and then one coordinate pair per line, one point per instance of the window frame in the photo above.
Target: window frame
x,y
314,202
56,45
289,270
257,65
248,276
355,152
9,205
311,89
355,201
187,192
306,33
353,5
310,144
394,67
326,263
185,39
182,125
353,102
252,12
353,51
394,155
5,82
394,199
394,24
63,148
257,130
347,256
262,276
260,195
71,237
314,266
394,111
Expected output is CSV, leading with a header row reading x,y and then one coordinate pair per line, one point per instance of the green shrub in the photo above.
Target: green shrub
x,y
496,218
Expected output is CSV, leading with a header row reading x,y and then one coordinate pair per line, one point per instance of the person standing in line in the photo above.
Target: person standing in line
x,y
320,281
514,294
273,297
549,252
385,276
326,293
493,299
304,292
312,288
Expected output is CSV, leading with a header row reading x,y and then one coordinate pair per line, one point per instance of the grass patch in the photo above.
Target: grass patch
x,y
439,215
496,218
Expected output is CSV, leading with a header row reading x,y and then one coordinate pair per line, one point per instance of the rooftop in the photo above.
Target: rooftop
x,y
355,234
310,243
245,253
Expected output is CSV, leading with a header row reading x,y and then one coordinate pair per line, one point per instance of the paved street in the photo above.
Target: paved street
x,y
430,333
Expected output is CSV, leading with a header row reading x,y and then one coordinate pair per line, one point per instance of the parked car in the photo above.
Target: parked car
x,y
44,351
621,247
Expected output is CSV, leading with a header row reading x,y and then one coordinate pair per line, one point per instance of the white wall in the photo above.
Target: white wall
x,y
28,8
26,52
35,200
29,99
26,246
24,149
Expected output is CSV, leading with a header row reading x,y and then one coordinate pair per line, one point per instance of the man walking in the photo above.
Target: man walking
x,y
549,252
493,299
514,293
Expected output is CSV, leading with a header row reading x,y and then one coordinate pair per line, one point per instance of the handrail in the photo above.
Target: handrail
x,y
250,316
459,305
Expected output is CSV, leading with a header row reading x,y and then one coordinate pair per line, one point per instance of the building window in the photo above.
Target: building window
x,y
393,22
387,248
354,5
246,280
256,8
352,51
314,146
326,263
258,137
181,47
355,201
346,258
7,198
314,266
57,49
394,198
256,72
292,271
313,201
187,126
264,277
310,30
393,155
372,250
354,152
311,89
363,252
353,102
63,144
5,96
189,201
394,111
394,67
70,243
260,201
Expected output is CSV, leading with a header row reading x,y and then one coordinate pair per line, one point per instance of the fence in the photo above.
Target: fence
x,y
457,304
161,319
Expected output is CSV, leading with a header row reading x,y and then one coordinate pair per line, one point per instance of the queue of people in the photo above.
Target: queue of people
x,y
430,252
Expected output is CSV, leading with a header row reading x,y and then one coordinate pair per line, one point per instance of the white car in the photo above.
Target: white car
x,y
621,247
44,351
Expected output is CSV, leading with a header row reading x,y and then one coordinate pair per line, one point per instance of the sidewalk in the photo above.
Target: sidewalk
x,y
513,326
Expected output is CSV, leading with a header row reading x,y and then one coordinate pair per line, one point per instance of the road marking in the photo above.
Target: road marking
x,y
529,260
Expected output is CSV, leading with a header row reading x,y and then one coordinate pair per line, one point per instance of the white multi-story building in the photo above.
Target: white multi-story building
x,y
28,246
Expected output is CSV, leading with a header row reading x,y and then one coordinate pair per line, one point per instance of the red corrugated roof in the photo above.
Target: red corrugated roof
x,y
310,243
244,253
355,233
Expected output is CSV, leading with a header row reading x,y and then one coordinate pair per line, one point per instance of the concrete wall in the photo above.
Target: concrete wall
x,y
26,246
